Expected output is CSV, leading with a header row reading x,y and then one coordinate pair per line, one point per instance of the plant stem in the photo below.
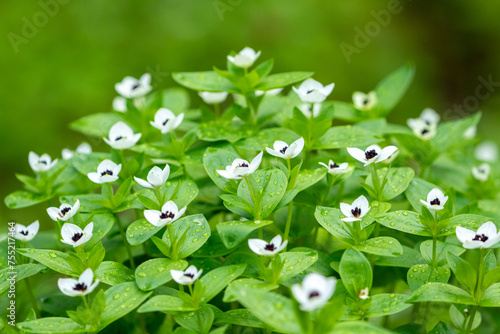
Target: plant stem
x,y
477,291
376,181
173,241
124,238
85,302
217,110
288,221
32,297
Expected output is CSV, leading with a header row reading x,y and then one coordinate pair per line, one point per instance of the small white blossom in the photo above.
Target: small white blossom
x,y
470,133
245,58
166,121
481,173
314,292
261,247
40,163
485,237
373,154
422,129
364,101
364,293
435,200
120,104
311,91
310,110
213,98
156,177
83,148
430,116
107,171
356,211
487,151
335,169
64,212
81,287
241,168
186,277
121,136
285,151
168,214
74,236
132,88
26,233
275,91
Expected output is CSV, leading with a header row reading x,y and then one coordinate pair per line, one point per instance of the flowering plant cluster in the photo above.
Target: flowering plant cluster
x,y
269,208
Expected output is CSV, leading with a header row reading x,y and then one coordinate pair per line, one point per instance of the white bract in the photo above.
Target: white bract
x,y
186,277
335,169
314,292
81,287
435,200
311,91
364,101
107,171
422,129
245,58
485,237
430,116
241,168
487,151
481,173
83,148
356,211
40,163
168,214
373,154
26,233
285,151
131,87
120,104
156,177
213,98
273,247
166,121
310,110
74,236
64,212
121,136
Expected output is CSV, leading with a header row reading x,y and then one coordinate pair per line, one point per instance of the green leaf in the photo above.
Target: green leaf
x,y
51,325
464,272
103,222
356,272
263,69
449,133
204,81
308,177
409,258
237,205
197,231
140,231
266,138
383,304
30,183
469,221
295,262
234,232
175,98
421,274
491,277
383,246
404,221
217,159
155,272
165,303
216,280
398,180
204,318
55,260
231,131
22,271
23,199
96,125
346,136
442,249
357,327
120,300
440,292
282,80
113,273
491,297
239,317
330,219
392,88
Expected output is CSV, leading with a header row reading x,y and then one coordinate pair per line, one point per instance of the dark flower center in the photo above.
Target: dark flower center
x,y
43,162
64,211
334,165
283,150
189,275
77,236
80,287
480,237
310,91
270,247
24,232
135,86
424,131
365,101
370,154
120,137
166,121
436,201
166,215
313,294
107,172
243,164
356,212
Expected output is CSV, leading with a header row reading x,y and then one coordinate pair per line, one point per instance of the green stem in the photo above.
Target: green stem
x,y
288,221
376,181
289,168
125,242
111,195
477,291
173,241
85,302
32,297
217,110
250,106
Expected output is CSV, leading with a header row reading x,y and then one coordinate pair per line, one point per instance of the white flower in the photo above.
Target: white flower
x,y
372,154
156,177
131,87
364,101
391,158
364,293
81,287
261,247
186,277
481,173
166,121
275,91
107,171
430,116
485,237
122,136
470,133
285,151
435,200
310,110
487,151
356,211
245,58
213,98
120,104
314,292
26,233
168,214
83,148
422,129
312,91
40,163
335,169
241,168
73,235
64,212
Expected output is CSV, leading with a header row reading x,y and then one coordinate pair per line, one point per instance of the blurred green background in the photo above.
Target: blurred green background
x,y
60,59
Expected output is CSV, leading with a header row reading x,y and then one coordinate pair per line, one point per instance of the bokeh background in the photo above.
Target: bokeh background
x,y
60,59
